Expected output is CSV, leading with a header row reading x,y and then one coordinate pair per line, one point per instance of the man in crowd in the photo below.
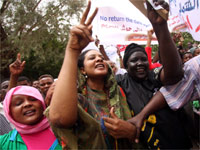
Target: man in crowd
x,y
45,81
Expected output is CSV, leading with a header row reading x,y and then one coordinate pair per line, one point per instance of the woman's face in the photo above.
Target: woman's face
x,y
26,109
138,65
94,64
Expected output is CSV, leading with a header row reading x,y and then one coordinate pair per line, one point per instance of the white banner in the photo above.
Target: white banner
x,y
119,22
185,14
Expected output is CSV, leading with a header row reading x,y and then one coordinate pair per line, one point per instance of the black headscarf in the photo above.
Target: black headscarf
x,y
131,48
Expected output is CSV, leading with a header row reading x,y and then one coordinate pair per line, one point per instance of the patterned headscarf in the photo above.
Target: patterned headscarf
x,y
29,91
115,97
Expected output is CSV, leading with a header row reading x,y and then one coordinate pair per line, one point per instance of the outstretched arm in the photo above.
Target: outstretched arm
x,y
149,37
63,106
16,69
148,48
169,56
102,50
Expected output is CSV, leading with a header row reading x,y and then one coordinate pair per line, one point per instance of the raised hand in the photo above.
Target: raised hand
x,y
119,128
153,16
81,35
17,67
97,41
118,52
150,33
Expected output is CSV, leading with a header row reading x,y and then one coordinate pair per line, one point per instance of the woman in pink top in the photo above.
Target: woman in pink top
x,y
24,106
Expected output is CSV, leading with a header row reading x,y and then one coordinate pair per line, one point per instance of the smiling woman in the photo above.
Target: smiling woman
x,y
23,107
26,109
77,115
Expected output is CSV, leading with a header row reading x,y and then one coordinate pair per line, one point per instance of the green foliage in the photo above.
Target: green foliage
x,y
187,38
39,32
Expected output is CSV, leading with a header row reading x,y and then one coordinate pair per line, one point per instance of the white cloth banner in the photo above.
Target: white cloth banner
x,y
120,22
186,12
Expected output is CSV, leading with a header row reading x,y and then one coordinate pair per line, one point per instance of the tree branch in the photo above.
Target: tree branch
x,y
36,5
3,34
43,17
4,6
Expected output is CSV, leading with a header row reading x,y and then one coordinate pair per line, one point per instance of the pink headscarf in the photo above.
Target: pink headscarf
x,y
29,91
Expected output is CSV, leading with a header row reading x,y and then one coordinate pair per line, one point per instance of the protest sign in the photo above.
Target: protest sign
x,y
140,4
188,13
119,22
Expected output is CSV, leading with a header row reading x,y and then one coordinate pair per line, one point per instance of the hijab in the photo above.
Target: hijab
x,y
28,91
116,99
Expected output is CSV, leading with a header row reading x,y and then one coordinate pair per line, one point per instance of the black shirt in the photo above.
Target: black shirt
x,y
164,129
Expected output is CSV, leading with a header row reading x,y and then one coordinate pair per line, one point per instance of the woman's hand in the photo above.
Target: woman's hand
x,y
119,128
150,33
153,16
81,35
17,67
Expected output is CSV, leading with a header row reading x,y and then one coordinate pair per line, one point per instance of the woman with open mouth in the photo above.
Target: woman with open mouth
x,y
23,107
76,112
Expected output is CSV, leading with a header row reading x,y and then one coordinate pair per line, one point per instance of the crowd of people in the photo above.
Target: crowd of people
x,y
92,104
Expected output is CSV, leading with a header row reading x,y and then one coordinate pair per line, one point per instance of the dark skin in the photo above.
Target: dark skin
x,y
120,58
168,49
3,90
172,71
172,65
149,35
16,69
63,106
44,84
26,109
138,65
63,112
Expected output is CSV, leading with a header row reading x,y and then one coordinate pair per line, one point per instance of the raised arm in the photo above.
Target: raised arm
x,y
63,106
102,50
16,69
148,48
172,67
149,37
120,58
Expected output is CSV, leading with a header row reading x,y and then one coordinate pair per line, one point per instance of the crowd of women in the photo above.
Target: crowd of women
x,y
89,107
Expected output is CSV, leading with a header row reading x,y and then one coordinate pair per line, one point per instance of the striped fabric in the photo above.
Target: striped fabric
x,y
4,125
187,89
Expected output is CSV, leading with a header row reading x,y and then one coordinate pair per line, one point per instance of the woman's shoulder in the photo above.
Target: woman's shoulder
x,y
6,136
121,77
12,140
7,139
